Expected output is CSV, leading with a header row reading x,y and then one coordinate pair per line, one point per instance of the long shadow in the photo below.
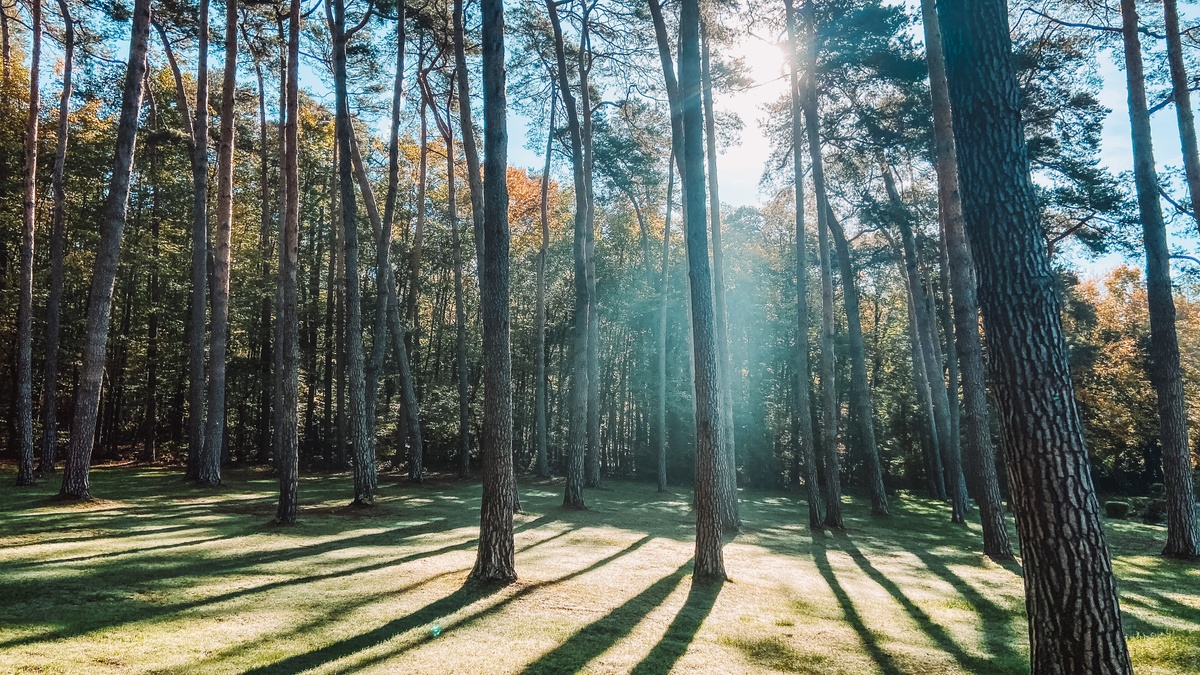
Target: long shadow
x,y
996,620
682,631
935,631
117,554
865,636
595,638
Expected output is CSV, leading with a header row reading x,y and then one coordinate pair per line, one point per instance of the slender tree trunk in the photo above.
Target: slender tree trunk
x,y
25,475
210,463
1183,538
460,317
199,270
1070,591
806,440
288,460
496,550
467,126
150,421
663,289
263,432
104,272
860,388
543,465
414,259
730,519
1181,92
580,371
58,238
709,563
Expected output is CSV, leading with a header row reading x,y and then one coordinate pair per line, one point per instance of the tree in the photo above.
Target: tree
x,y
543,468
288,346
496,558
25,474
1181,92
1070,591
1183,537
104,271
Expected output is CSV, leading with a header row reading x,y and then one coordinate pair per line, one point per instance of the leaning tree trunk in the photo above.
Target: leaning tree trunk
x,y
661,413
1183,538
806,442
980,453
104,271
709,563
210,459
829,402
495,561
860,388
288,459
577,445
28,227
58,238
730,520
540,431
1070,590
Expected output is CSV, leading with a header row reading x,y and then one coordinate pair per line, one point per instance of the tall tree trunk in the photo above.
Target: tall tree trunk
x,y
199,269
265,384
806,441
150,420
543,464
592,472
288,460
496,550
25,475
980,453
663,289
1183,538
1070,591
829,400
104,272
366,478
580,371
730,519
58,237
709,563
414,255
460,313
860,388
1181,92
467,127
210,462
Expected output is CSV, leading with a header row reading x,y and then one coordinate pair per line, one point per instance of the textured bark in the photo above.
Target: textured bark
x,y
592,470
979,453
805,441
104,271
265,358
580,371
150,420
860,388
540,431
730,520
1183,539
366,479
58,237
709,562
467,128
25,474
495,561
1070,591
210,459
1181,92
829,401
288,460
199,269
661,412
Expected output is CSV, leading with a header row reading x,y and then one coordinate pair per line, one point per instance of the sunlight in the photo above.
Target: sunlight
x,y
763,59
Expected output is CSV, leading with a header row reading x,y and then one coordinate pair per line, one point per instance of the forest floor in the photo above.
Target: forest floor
x,y
158,576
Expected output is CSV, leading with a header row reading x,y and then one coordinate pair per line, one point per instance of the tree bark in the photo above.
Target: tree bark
x,y
199,269
104,271
25,474
709,563
1184,115
1070,591
661,416
806,441
467,127
1183,538
543,465
58,237
288,460
496,550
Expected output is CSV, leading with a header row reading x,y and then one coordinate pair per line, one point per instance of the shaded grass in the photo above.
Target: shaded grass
x,y
172,578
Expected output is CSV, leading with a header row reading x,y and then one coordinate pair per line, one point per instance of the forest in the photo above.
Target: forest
x,y
418,336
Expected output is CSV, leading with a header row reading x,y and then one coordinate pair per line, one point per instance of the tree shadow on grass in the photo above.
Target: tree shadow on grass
x,y
682,631
869,642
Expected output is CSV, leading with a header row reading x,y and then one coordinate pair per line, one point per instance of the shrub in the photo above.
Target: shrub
x,y
1116,509
1158,491
1137,505
1156,511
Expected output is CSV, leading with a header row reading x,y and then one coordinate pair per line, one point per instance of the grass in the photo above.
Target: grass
x,y
163,577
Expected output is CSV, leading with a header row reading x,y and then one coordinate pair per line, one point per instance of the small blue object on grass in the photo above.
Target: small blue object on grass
x,y
435,630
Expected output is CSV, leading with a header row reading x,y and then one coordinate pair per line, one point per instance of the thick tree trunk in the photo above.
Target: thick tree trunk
x,y
709,563
543,464
980,453
210,459
860,388
104,272
1183,538
730,519
661,412
288,460
1070,591
580,371
58,237
806,442
25,475
496,550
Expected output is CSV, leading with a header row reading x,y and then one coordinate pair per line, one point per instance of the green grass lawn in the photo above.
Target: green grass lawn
x,y
158,576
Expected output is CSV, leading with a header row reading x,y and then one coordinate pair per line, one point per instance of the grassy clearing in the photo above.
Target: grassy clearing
x,y
177,579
